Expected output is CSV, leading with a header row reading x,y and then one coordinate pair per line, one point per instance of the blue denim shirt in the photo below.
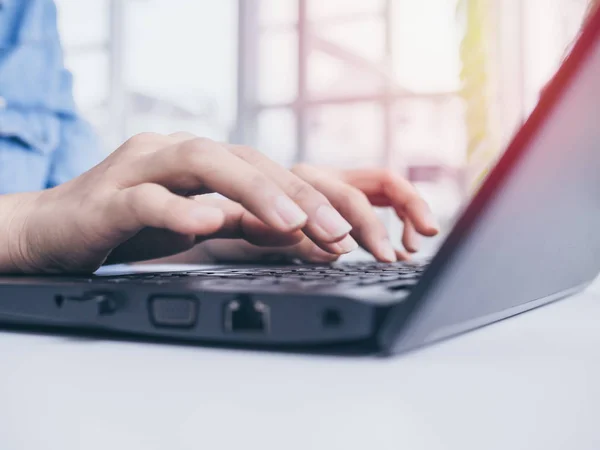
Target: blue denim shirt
x,y
43,140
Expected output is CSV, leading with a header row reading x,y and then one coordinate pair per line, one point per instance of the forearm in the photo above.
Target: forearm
x,y
13,219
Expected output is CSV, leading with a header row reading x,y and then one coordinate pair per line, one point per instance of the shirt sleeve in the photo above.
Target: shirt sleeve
x,y
79,149
43,139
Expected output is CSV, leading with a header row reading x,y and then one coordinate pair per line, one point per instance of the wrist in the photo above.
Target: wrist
x,y
16,212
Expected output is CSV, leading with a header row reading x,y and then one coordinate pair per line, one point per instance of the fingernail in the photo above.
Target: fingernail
x,y
346,245
402,255
386,251
413,242
317,254
289,212
331,222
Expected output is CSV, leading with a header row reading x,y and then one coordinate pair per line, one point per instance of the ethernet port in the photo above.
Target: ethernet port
x,y
244,314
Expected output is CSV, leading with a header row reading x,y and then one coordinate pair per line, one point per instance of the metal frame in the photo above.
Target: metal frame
x,y
388,101
303,55
245,131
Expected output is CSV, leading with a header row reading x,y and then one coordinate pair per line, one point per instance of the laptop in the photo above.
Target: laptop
x,y
530,236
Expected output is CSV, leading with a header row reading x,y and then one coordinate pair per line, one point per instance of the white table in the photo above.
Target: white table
x,y
532,382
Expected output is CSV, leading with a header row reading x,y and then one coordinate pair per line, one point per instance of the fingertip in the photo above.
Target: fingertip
x,y
409,243
384,251
429,230
424,221
318,255
289,216
403,256
346,245
410,238
265,236
429,224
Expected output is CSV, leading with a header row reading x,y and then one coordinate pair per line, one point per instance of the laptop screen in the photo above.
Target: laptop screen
x,y
531,234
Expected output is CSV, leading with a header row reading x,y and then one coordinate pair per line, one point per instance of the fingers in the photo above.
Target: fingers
x,y
151,205
239,251
270,205
410,237
307,251
402,255
384,188
201,163
241,224
182,136
354,205
268,191
325,224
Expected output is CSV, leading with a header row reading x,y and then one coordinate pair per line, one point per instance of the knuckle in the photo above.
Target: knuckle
x,y
302,191
414,201
389,176
183,135
353,196
248,154
301,168
136,195
203,142
142,139
139,145
194,150
259,183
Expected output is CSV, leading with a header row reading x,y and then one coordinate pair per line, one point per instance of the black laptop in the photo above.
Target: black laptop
x,y
530,236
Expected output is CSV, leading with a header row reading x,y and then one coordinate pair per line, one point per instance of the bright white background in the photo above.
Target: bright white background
x,y
171,65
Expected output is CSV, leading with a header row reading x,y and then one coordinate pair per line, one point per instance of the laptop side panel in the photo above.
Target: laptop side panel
x,y
531,235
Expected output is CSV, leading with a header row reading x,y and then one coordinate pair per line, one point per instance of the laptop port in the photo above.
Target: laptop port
x,y
244,314
331,318
173,311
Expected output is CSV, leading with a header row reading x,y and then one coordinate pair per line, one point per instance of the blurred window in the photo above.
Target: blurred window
x,y
277,134
85,33
346,136
550,27
180,66
171,65
354,83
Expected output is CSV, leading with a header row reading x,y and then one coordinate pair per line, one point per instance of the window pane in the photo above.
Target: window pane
x,y
278,67
83,23
90,78
364,39
327,9
426,45
169,114
346,135
347,59
181,59
278,12
429,132
277,135
550,27
430,149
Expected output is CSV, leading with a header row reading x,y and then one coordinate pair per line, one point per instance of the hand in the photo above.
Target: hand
x,y
140,204
353,193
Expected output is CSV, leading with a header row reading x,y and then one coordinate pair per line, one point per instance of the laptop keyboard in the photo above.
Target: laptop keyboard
x,y
394,276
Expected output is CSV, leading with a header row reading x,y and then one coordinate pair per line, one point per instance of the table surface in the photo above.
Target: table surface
x,y
531,382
